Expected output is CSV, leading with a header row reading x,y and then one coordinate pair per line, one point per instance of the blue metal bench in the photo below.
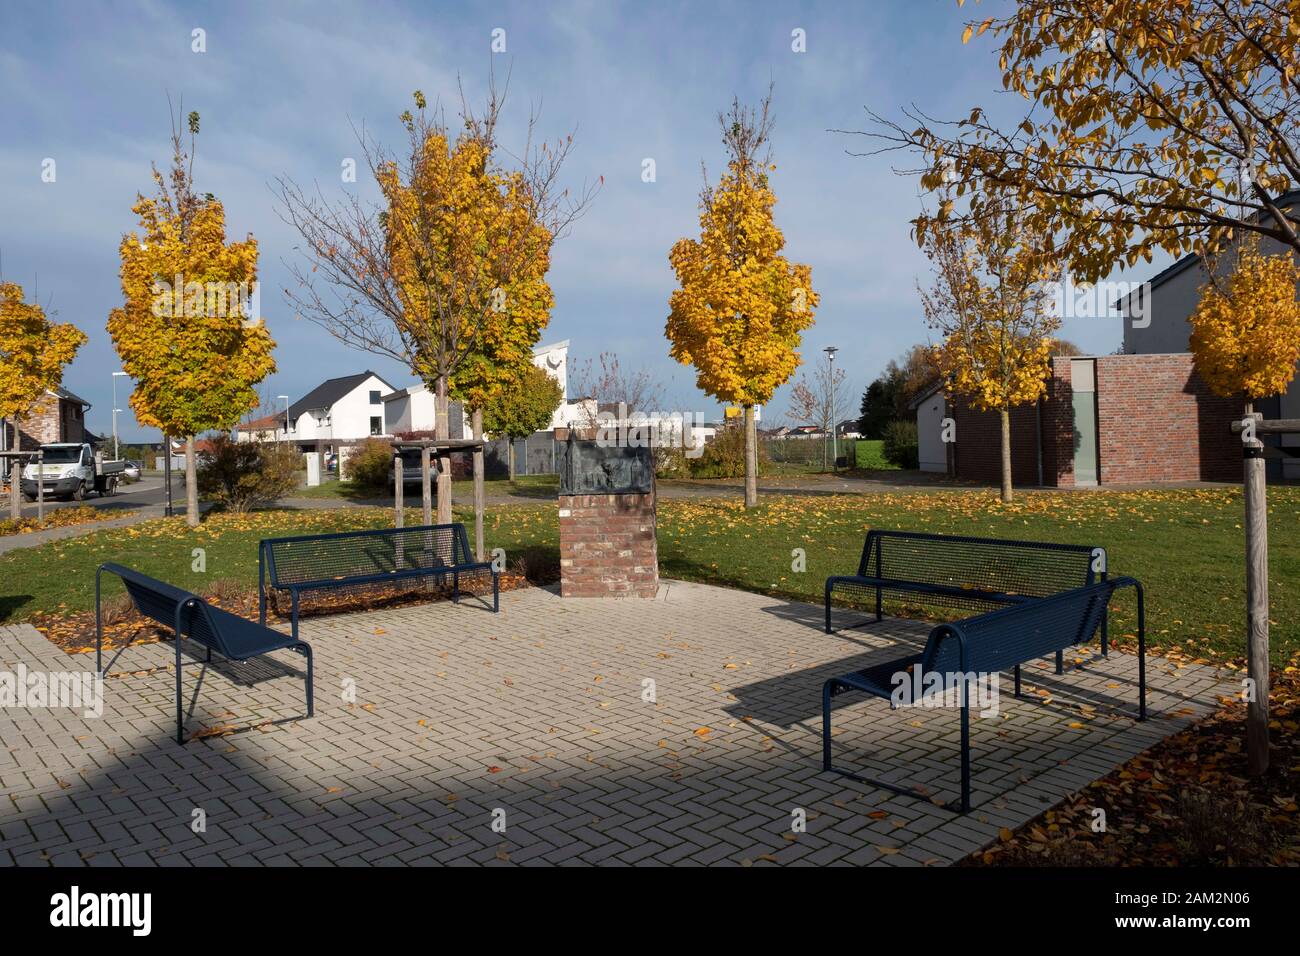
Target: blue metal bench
x,y
986,645
974,574
233,637
358,558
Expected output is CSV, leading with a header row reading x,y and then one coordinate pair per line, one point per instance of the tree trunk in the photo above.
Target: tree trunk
x,y
191,485
479,498
1257,756
1005,415
510,455
751,459
444,460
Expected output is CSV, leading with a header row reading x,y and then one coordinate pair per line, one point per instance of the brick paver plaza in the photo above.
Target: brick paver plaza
x,y
544,718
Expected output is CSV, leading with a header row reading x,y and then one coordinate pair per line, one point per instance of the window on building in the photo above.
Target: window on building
x,y
374,397
376,425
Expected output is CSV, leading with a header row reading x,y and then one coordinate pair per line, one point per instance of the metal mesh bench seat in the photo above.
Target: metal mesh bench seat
x,y
360,558
188,615
964,573
987,645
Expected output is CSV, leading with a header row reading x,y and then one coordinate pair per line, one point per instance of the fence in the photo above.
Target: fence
x,y
809,454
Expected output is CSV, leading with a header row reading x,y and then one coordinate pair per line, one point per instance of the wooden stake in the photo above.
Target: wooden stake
x,y
1255,495
479,495
399,487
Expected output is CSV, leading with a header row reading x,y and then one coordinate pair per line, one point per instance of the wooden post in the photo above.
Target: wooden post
x,y
479,496
399,500
425,485
15,492
1256,501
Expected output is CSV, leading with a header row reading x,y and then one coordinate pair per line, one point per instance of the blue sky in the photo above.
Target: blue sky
x,y
281,84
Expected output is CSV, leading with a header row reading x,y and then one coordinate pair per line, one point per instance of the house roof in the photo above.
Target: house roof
x,y
1286,200
330,391
67,396
925,393
274,420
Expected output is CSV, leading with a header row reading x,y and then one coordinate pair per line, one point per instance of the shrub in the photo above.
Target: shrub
x,y
724,457
239,476
900,445
370,465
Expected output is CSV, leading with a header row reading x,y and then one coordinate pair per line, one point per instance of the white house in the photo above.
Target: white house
x,y
339,411
411,409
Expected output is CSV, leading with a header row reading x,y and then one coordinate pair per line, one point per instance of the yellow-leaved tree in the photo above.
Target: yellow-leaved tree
x,y
447,275
33,352
1246,329
740,309
185,332
988,303
1246,341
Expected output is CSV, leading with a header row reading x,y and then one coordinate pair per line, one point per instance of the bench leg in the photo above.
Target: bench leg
x,y
180,719
99,631
496,593
965,756
293,624
878,614
1060,662
1017,672
305,649
826,724
455,587
828,608
1105,636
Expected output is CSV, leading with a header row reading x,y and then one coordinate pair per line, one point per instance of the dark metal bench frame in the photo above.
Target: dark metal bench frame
x,y
874,545
189,610
267,579
970,655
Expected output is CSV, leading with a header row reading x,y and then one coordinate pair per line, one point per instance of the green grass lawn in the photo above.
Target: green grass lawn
x,y
871,455
1186,546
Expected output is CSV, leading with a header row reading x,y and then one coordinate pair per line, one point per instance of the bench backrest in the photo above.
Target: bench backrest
x,y
158,601
1029,568
1008,636
373,554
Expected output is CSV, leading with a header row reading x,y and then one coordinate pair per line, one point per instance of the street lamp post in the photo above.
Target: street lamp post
x,y
830,351
116,376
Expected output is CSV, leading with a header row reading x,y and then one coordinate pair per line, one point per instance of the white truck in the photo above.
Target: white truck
x,y
71,470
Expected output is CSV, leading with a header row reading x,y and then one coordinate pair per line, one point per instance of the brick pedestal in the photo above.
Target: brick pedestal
x,y
607,546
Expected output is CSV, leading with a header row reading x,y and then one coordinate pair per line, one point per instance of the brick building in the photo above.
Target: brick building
x,y
1107,419
60,416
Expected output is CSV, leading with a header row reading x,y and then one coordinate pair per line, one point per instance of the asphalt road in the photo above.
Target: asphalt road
x,y
147,491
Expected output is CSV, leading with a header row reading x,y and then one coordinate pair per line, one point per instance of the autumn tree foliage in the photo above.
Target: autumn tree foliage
x,y
447,273
1149,125
525,405
988,304
1246,329
741,307
33,353
185,332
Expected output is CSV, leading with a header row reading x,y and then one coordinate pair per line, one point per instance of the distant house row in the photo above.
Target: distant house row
x,y
342,412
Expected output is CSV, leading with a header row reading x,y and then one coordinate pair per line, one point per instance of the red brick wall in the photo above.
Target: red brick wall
x,y
608,546
42,425
979,438
1158,421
